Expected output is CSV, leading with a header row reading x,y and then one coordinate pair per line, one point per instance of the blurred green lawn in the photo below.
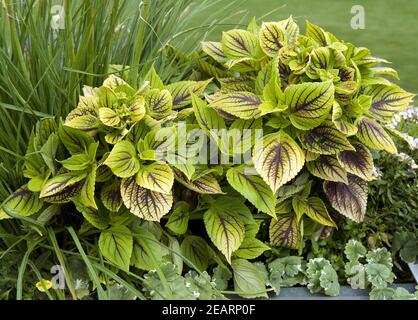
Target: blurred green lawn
x,y
391,29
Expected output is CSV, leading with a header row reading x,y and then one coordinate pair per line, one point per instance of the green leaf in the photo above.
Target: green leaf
x,y
251,248
75,141
181,91
238,44
325,139
314,208
148,253
278,160
248,280
285,231
144,203
253,188
116,245
354,250
327,168
97,218
221,276
358,162
329,281
374,136
76,162
22,202
322,277
272,38
123,160
49,150
154,79
87,192
225,228
350,200
387,100
159,103
195,249
178,220
110,196
156,176
241,104
379,275
309,103
317,34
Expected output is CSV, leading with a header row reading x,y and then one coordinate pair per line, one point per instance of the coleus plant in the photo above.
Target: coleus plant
x,y
269,115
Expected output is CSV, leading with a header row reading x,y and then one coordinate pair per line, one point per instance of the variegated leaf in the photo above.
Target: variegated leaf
x,y
195,250
110,196
159,103
272,38
320,59
63,188
358,162
205,185
309,103
291,30
285,231
242,83
22,202
109,117
325,139
327,168
181,91
116,245
340,122
238,44
144,203
97,218
83,118
278,159
207,118
372,134
214,49
87,192
137,108
61,182
253,188
387,100
239,104
156,176
225,229
123,160
178,220
348,199
314,208
317,34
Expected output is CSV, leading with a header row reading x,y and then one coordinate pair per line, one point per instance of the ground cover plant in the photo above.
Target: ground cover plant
x,y
177,187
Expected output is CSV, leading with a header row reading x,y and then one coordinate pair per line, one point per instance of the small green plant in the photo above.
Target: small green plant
x,y
373,268
216,170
